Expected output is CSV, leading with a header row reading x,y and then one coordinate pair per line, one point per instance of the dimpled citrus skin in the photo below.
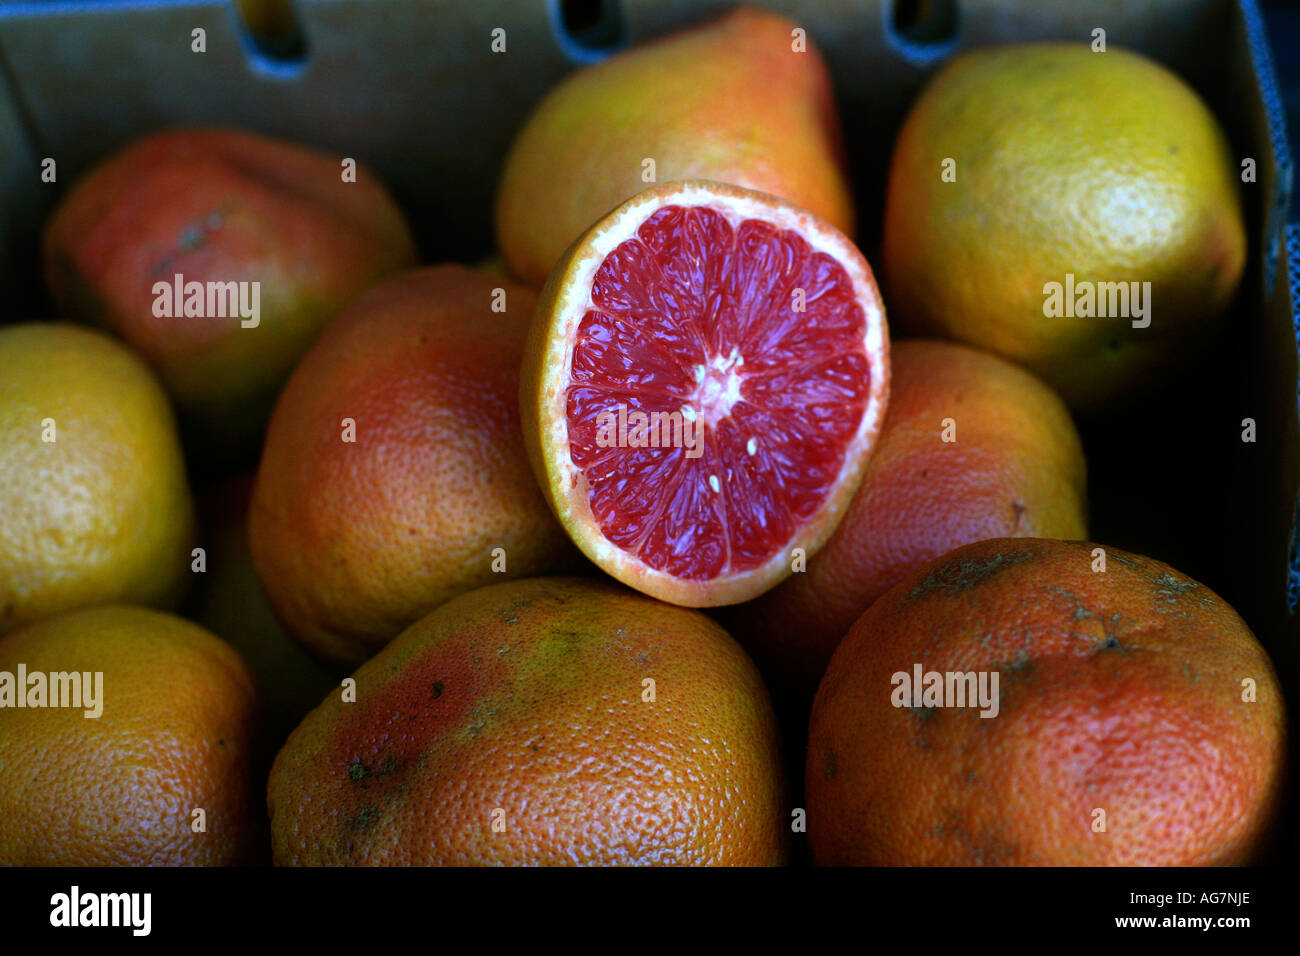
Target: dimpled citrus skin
x,y
102,513
1101,165
224,206
353,541
729,100
1121,691
529,697
175,734
1016,469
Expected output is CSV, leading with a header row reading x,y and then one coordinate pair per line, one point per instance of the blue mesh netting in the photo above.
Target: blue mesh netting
x,y
1293,279
1261,60
1275,229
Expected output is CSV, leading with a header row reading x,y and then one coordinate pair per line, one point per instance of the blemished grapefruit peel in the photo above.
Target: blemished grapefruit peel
x,y
565,301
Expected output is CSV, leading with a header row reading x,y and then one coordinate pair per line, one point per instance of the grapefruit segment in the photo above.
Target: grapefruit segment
x,y
704,381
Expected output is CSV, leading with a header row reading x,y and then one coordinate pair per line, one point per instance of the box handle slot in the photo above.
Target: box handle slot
x,y
272,35
923,31
587,30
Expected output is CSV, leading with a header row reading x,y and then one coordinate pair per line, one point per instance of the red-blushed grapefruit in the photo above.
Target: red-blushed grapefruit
x,y
1135,720
973,447
545,721
703,383
742,98
394,474
245,221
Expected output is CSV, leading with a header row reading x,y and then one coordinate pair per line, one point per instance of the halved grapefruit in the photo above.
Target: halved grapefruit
x,y
703,383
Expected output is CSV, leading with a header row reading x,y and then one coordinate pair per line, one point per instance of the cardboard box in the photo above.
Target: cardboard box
x,y
414,89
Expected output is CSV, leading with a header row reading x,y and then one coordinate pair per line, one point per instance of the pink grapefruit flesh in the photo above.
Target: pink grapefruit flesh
x,y
704,381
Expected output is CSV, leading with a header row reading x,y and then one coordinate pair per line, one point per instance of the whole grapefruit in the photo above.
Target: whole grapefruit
x,y
1076,212
545,721
973,447
94,503
1135,719
394,474
283,226
173,735
742,99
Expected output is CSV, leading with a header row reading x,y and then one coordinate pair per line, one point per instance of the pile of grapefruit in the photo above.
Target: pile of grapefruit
x,y
672,533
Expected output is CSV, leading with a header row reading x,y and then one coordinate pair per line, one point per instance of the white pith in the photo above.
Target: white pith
x,y
718,389
719,386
